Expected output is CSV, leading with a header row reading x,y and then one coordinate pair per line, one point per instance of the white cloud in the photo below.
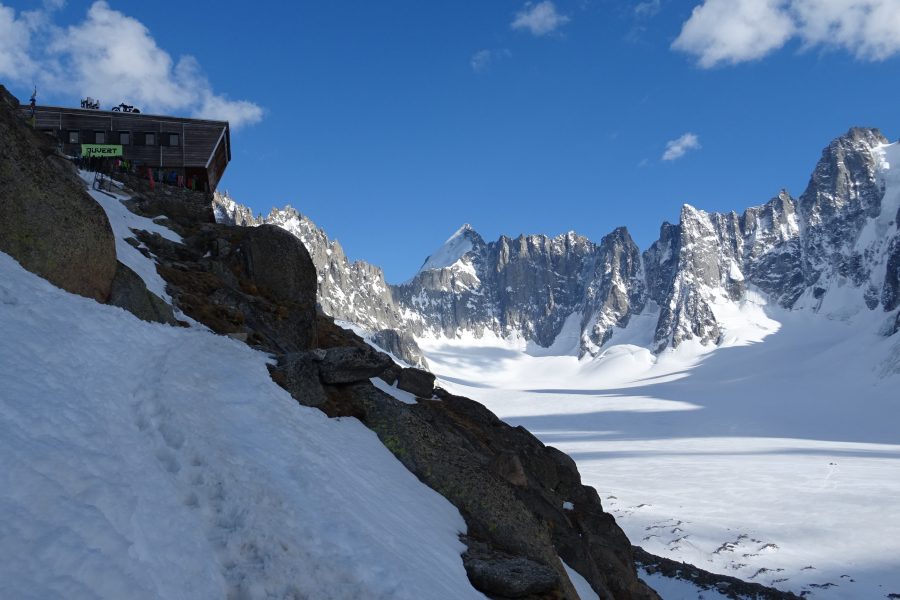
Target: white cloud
x,y
649,8
734,31
869,29
482,60
677,148
539,19
114,57
15,37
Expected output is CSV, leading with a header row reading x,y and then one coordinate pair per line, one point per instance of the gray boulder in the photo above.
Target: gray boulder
x,y
278,264
417,382
350,364
508,576
48,222
130,292
298,373
402,345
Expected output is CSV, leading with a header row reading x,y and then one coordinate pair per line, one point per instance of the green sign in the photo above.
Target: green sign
x,y
101,150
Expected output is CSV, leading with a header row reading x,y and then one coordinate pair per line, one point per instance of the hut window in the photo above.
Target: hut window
x,y
173,139
99,137
149,139
74,137
125,138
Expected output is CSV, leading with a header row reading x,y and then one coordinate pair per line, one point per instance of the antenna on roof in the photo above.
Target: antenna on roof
x,y
31,105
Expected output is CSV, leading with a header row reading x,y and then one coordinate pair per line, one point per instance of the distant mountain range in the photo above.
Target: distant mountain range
x,y
835,249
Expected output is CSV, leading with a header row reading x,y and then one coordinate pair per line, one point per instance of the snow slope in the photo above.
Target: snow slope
x,y
774,458
456,246
122,222
139,460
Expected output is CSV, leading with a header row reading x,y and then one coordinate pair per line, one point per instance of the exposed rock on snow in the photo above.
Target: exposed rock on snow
x,y
47,220
130,292
351,364
400,344
453,445
704,582
507,576
417,382
239,289
354,292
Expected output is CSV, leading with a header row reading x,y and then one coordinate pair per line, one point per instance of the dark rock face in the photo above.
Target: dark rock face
x,y
350,365
772,249
47,220
400,344
615,289
843,192
275,261
506,576
180,205
896,327
298,372
129,292
417,382
730,587
355,292
890,291
508,466
528,285
224,277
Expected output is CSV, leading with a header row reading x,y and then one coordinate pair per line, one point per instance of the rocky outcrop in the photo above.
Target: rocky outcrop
x,y
418,382
729,587
844,192
890,292
615,289
177,204
47,220
772,251
130,292
509,487
276,263
351,364
529,285
257,282
305,372
401,344
354,292
503,575
462,450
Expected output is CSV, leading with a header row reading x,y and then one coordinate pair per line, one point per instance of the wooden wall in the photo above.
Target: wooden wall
x,y
202,144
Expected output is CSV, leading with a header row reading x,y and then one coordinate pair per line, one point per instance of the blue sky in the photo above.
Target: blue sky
x,y
392,123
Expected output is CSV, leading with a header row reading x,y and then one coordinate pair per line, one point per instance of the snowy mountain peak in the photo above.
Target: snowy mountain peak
x,y
834,250
463,241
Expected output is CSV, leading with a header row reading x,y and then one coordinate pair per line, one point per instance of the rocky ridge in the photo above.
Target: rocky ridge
x,y
523,502
840,233
351,291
